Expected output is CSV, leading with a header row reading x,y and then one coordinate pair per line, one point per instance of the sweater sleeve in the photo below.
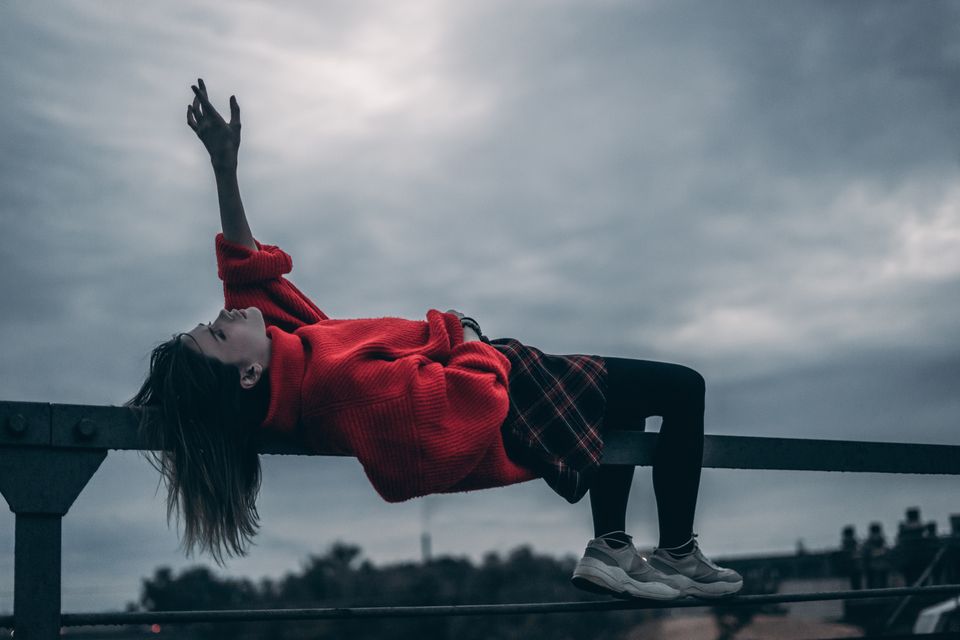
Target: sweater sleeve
x,y
478,368
475,358
256,279
456,436
420,423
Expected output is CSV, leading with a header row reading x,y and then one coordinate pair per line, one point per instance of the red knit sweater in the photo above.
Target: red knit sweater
x,y
420,408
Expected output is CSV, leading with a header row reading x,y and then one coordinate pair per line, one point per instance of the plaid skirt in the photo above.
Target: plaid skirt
x,y
554,424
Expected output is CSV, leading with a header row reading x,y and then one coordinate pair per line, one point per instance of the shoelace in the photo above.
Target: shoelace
x,y
607,536
695,552
698,554
693,538
704,559
629,543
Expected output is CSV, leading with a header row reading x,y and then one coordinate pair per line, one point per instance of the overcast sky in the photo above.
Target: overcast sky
x,y
764,191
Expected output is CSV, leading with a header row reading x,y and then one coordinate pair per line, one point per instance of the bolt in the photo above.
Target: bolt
x,y
86,429
17,424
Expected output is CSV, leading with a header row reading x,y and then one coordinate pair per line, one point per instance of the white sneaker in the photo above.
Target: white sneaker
x,y
622,572
694,575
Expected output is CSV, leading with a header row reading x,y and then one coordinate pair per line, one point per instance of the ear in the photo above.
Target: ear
x,y
250,376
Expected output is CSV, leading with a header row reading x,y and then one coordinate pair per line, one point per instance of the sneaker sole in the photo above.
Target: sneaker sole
x,y
707,590
594,575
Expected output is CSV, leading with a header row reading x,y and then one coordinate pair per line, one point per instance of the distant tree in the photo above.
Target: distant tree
x,y
197,589
342,578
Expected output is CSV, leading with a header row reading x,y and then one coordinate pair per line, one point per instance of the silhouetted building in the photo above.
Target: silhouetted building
x,y
850,562
875,555
919,552
917,544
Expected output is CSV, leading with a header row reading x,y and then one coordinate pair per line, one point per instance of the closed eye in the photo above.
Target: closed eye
x,y
217,332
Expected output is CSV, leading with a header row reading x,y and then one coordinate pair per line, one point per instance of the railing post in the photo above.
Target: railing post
x,y
40,485
36,593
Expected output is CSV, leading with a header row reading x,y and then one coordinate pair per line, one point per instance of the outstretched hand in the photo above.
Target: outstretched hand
x,y
221,139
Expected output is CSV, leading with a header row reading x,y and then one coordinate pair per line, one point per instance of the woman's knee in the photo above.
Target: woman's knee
x,y
642,388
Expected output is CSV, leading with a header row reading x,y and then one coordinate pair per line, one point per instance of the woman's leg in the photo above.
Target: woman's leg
x,y
637,389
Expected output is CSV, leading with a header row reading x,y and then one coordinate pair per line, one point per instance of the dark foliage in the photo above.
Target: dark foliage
x,y
342,578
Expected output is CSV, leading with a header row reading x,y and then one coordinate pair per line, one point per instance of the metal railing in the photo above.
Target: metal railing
x,y
48,453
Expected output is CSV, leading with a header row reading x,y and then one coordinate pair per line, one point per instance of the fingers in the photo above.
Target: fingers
x,y
198,112
202,99
201,93
193,115
234,112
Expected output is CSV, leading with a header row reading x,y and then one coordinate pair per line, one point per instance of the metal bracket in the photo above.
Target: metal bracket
x,y
46,480
25,423
40,484
92,427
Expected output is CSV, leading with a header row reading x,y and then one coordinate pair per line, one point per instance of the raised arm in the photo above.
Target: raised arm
x,y
222,141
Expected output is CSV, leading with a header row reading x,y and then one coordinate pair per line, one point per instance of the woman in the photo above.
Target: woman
x,y
426,406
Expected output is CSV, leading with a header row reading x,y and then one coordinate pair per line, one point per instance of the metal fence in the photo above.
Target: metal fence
x,y
48,453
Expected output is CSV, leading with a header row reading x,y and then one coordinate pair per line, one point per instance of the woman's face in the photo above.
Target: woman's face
x,y
237,337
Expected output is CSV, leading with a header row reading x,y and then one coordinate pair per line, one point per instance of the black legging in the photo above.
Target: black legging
x,y
637,389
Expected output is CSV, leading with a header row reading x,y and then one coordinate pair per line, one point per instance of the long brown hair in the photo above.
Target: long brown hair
x,y
202,429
